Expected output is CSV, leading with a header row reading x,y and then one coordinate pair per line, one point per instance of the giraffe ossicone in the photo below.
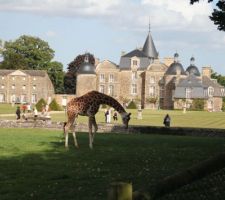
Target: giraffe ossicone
x,y
88,105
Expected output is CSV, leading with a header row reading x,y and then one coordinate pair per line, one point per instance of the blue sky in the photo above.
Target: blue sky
x,y
107,27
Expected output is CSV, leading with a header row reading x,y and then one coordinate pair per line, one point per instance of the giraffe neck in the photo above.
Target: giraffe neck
x,y
105,99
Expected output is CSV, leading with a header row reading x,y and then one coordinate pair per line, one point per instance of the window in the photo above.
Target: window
x,y
161,91
102,88
152,91
2,98
23,98
24,78
135,62
34,79
205,92
2,86
222,91
34,98
111,78
13,78
134,76
111,90
152,79
24,87
13,98
134,89
188,93
210,91
102,78
34,87
3,77
13,86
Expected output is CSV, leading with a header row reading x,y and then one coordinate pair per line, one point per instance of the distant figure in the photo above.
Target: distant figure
x,y
28,108
166,120
115,116
35,113
24,107
106,115
18,112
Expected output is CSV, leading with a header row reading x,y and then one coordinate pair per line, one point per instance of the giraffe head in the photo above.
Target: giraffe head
x,y
126,119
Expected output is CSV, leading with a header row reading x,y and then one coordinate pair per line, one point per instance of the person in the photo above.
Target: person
x,y
35,113
166,120
28,108
106,115
18,112
115,116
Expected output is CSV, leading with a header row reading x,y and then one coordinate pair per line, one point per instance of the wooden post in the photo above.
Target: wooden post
x,y
120,191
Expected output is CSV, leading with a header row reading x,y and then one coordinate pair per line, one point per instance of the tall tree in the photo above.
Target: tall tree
x,y
29,52
56,74
218,15
70,76
219,77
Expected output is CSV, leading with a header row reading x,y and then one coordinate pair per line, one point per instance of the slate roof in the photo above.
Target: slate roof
x,y
5,72
198,86
125,63
149,47
192,69
86,68
174,67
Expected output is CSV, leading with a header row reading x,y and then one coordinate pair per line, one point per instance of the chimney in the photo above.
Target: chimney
x,y
206,71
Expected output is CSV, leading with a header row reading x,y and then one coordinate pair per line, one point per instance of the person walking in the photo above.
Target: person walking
x,y
167,120
115,116
18,112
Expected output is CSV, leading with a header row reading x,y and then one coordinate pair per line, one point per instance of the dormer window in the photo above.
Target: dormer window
x,y
210,91
188,93
135,63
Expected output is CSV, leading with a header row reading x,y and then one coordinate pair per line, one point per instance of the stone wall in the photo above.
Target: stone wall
x,y
182,131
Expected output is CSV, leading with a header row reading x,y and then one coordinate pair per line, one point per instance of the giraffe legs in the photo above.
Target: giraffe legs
x,y
92,122
68,126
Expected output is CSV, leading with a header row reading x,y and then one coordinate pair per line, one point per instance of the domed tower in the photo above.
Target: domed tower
x,y
192,69
86,77
172,76
175,68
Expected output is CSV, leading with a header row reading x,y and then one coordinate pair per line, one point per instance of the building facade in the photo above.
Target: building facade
x,y
25,86
153,83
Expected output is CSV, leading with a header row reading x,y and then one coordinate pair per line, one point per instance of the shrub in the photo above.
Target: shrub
x,y
223,106
132,105
55,106
197,104
40,104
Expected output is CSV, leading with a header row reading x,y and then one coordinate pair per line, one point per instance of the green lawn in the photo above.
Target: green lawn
x,y
155,118
35,165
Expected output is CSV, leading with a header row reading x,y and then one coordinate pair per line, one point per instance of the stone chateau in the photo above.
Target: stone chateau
x,y
141,76
153,83
25,86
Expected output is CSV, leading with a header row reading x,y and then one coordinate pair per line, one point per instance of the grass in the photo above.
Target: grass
x,y
35,165
155,118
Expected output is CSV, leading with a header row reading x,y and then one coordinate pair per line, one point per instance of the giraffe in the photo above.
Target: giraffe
x,y
88,105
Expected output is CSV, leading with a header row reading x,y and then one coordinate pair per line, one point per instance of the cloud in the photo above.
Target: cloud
x,y
165,14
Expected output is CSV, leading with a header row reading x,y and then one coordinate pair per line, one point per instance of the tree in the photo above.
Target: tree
x,y
218,15
219,77
70,77
56,74
32,53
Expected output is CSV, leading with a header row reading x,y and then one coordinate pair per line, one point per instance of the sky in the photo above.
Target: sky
x,y
105,28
